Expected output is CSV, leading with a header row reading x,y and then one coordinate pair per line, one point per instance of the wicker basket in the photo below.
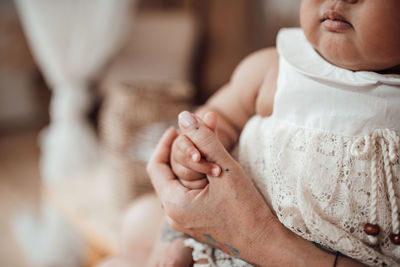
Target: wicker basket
x,y
132,119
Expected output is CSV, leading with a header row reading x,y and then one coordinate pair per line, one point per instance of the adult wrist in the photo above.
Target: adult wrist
x,y
278,246
255,244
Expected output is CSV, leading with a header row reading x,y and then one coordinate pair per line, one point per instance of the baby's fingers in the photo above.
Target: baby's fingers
x,y
191,158
187,150
194,185
206,167
204,138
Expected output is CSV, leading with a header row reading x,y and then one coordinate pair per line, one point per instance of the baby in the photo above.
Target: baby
x,y
319,123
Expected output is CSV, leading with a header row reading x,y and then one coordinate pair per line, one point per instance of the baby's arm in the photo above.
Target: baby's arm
x,y
252,84
250,91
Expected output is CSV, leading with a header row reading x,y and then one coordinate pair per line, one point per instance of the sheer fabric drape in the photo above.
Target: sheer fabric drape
x,y
71,40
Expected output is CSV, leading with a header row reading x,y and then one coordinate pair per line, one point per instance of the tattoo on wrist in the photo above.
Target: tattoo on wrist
x,y
170,235
227,249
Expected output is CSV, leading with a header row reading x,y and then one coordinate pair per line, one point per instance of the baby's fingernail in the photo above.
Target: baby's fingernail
x,y
186,119
216,171
195,156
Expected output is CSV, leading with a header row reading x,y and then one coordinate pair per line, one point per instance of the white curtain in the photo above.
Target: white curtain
x,y
71,40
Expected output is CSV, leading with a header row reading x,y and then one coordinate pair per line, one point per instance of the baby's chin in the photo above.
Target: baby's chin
x,y
379,68
334,60
355,64
392,70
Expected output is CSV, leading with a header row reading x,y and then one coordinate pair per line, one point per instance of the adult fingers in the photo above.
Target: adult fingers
x,y
194,185
161,175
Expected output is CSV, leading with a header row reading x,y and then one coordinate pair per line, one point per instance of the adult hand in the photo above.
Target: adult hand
x,y
187,162
229,212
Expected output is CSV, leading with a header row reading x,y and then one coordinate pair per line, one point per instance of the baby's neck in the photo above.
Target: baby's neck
x,y
394,70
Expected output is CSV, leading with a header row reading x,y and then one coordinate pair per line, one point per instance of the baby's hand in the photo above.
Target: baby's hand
x,y
187,162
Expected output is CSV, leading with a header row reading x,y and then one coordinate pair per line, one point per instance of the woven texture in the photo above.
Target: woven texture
x,y
132,119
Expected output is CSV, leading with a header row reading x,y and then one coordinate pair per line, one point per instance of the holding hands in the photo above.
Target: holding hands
x,y
187,162
225,211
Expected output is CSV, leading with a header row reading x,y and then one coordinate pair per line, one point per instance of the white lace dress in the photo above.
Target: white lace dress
x,y
327,159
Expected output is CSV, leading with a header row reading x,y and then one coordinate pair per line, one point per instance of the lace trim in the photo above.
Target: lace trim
x,y
214,256
321,187
359,184
366,148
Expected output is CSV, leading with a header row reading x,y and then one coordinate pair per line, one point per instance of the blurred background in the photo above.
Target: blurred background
x,y
86,89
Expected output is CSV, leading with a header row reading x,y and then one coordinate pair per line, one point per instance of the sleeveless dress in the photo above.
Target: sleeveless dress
x,y
327,159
